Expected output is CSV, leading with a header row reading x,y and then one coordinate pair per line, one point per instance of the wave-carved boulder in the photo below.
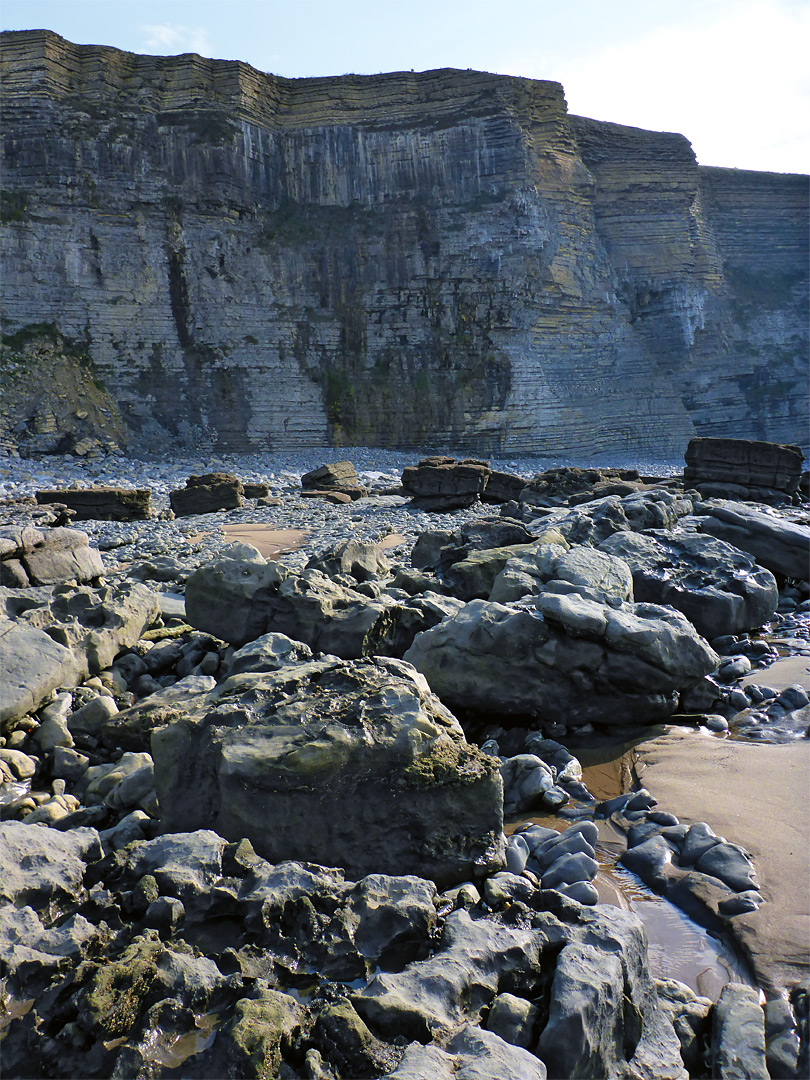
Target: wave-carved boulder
x,y
565,658
354,764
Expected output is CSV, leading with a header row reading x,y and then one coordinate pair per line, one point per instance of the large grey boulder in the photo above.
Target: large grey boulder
x,y
472,1053
565,657
590,523
96,624
30,556
349,764
132,728
362,560
55,637
431,997
440,548
720,589
602,1019
244,599
781,546
474,576
598,575
269,653
42,866
32,665
585,1033
240,599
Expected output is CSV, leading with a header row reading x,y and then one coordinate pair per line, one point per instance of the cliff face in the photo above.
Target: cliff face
x,y
445,258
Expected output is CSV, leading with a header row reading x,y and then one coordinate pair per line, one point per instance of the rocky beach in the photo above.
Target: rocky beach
x,y
394,766
404,582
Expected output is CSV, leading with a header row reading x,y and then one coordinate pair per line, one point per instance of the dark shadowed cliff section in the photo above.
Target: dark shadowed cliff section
x,y
445,257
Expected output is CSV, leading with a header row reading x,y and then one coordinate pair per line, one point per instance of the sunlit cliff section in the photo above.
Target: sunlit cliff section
x,y
444,258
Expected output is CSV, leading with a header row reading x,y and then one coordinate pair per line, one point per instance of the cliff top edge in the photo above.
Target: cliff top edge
x,y
14,41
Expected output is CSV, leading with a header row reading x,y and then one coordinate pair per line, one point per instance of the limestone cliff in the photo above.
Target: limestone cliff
x,y
444,258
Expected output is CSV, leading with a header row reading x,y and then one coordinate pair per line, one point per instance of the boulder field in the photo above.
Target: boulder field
x,y
273,817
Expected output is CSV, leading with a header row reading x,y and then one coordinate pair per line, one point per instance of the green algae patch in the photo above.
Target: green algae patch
x,y
263,1031
117,997
446,762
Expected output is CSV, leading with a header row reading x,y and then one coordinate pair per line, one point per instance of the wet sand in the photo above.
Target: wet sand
x,y
270,542
781,673
759,797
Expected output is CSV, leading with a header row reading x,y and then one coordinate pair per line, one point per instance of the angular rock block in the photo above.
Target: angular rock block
x,y
30,556
743,469
502,487
207,494
350,764
440,483
100,503
339,477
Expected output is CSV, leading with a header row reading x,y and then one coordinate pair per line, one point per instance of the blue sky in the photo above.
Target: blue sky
x,y
731,75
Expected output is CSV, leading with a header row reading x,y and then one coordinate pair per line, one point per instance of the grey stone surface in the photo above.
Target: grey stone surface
x,y
47,556
781,546
432,997
363,561
472,1054
242,601
566,656
350,763
268,653
41,866
33,665
720,589
592,573
738,1035
95,623
585,1032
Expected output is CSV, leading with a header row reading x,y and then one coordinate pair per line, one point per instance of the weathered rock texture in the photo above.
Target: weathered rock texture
x,y
250,261
100,503
745,469
282,757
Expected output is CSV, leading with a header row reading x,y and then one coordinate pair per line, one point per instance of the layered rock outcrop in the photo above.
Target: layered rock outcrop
x,y
247,261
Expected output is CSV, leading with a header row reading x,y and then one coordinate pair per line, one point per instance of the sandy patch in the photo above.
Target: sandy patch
x,y
268,541
392,540
782,673
757,796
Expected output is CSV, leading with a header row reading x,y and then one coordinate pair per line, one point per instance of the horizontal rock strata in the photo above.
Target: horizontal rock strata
x,y
235,259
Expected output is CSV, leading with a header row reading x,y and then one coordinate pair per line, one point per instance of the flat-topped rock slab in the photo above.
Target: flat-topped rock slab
x,y
100,503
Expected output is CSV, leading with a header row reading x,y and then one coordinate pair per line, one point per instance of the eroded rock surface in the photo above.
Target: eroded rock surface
x,y
307,761
563,654
718,588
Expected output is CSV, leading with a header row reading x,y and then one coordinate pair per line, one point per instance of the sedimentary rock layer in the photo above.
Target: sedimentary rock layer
x,y
248,261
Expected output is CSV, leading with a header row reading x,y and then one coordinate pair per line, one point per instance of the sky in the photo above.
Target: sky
x,y
733,76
